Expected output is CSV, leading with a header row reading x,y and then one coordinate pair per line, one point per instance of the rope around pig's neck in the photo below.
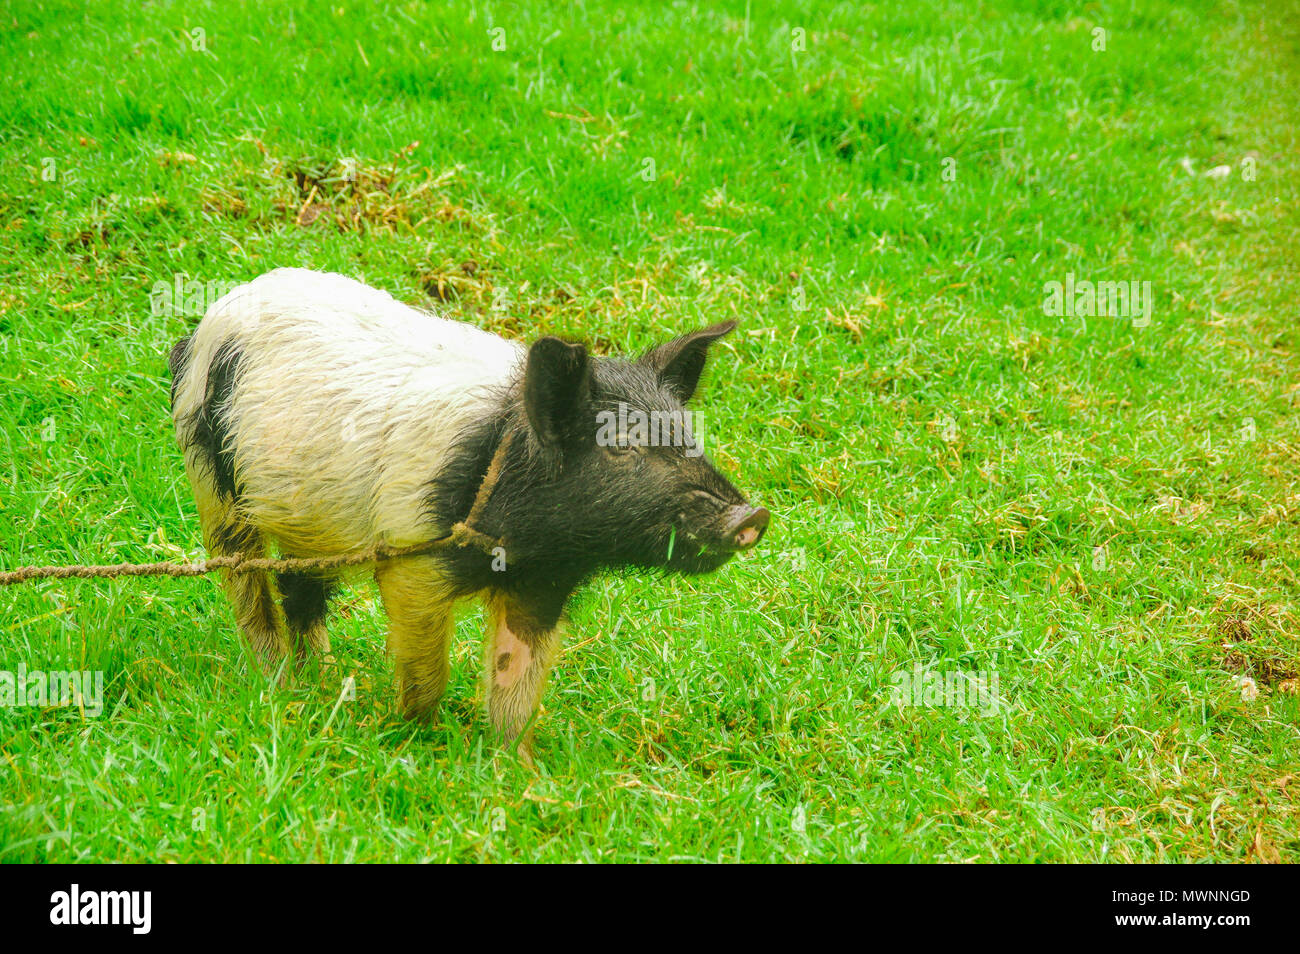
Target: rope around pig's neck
x,y
462,534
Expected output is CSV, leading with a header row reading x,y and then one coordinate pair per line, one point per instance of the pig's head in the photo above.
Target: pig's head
x,y
613,474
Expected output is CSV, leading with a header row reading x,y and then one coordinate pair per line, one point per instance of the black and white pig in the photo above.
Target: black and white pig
x,y
324,416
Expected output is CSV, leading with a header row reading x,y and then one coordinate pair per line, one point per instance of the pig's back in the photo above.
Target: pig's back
x,y
345,403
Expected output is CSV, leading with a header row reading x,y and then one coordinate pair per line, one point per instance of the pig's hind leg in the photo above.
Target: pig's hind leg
x,y
305,598
420,620
250,594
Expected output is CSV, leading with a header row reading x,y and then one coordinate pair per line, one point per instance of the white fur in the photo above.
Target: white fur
x,y
346,404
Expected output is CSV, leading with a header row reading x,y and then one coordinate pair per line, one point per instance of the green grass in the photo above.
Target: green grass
x,y
960,481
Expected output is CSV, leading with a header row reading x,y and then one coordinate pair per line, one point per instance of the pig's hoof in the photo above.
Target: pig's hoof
x,y
519,755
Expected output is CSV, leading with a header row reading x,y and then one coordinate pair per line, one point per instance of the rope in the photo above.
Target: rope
x,y
236,563
462,534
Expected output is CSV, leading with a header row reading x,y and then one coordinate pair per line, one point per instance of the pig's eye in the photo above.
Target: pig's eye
x,y
624,448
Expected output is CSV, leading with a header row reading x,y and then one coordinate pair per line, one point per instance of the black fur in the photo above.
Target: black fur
x,y
451,494
306,599
557,380
566,508
236,537
208,429
680,362
176,362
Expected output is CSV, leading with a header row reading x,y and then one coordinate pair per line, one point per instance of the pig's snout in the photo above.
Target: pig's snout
x,y
746,526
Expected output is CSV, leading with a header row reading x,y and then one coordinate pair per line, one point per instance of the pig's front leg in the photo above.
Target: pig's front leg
x,y
519,655
420,622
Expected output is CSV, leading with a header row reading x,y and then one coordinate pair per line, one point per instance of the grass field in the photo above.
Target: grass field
x,y
1095,515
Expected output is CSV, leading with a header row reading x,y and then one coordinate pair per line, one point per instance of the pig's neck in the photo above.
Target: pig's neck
x,y
530,571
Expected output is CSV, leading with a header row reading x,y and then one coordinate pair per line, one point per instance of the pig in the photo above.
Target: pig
x,y
321,416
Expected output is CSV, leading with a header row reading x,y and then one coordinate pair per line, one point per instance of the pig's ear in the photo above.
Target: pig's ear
x,y
555,382
681,361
